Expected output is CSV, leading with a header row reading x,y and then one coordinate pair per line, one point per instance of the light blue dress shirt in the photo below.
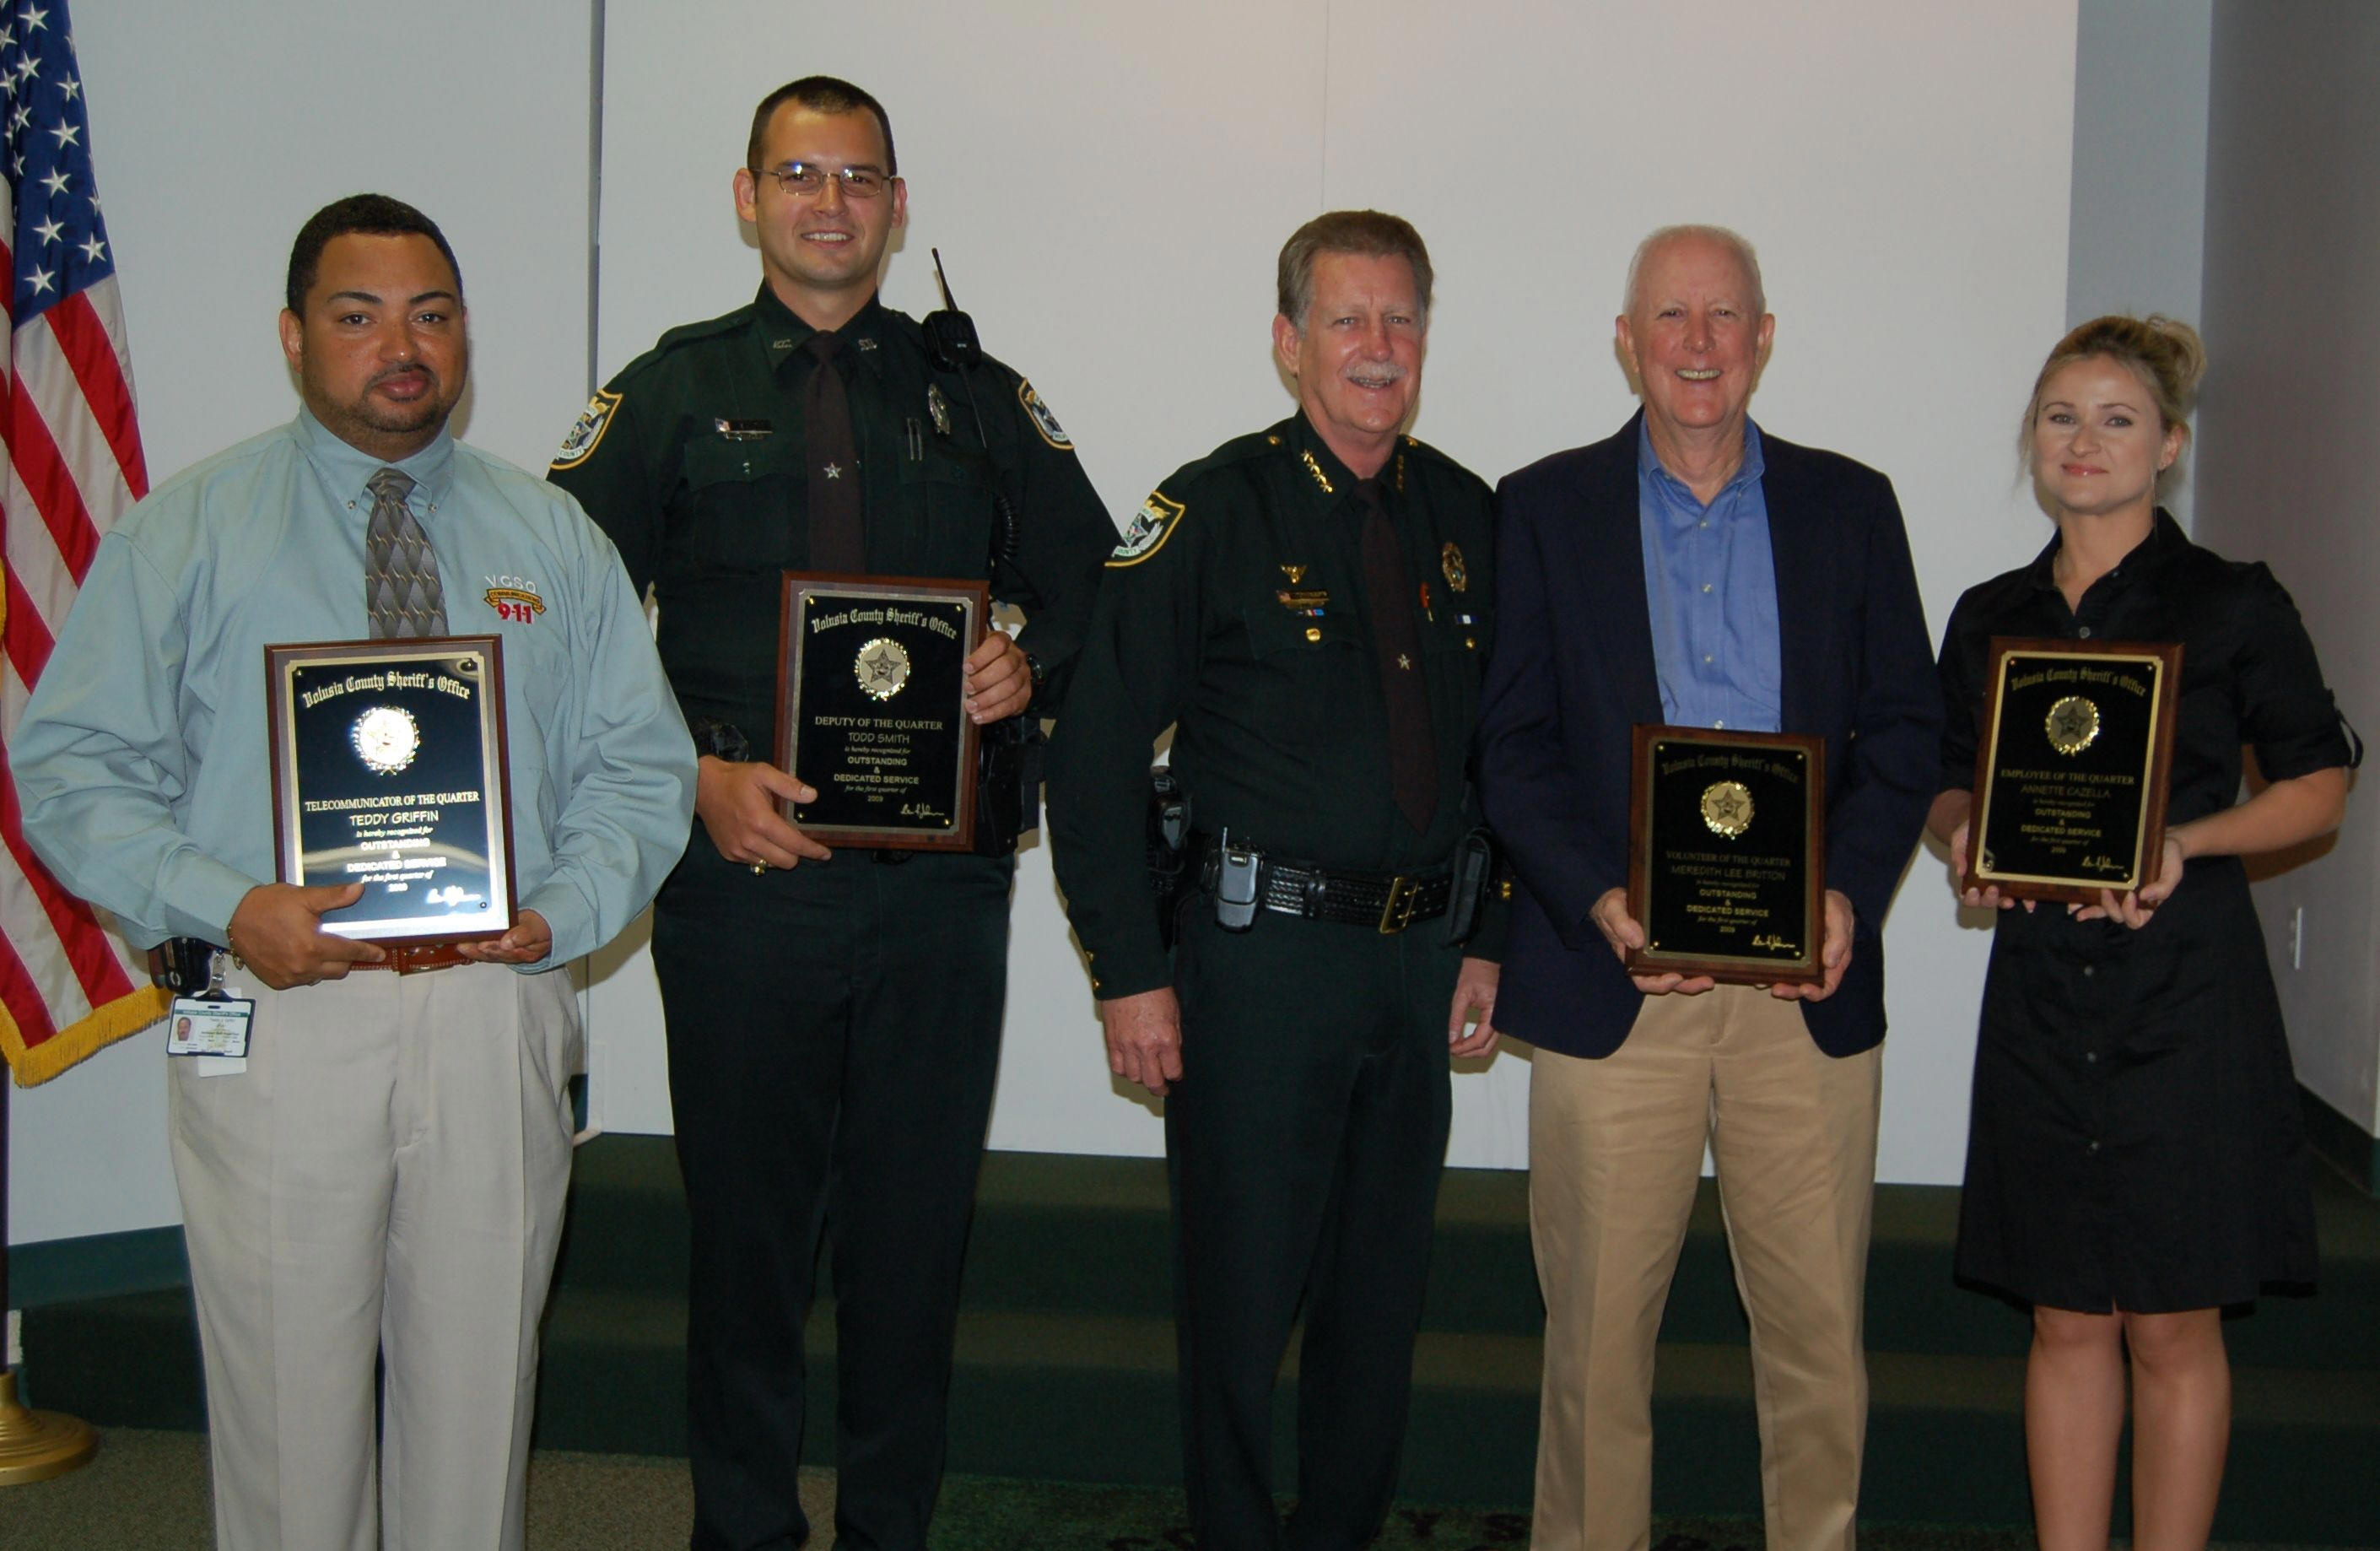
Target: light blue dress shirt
x,y
142,758
1711,581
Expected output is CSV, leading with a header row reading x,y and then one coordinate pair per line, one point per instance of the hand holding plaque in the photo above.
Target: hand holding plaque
x,y
389,770
871,713
1725,858
2072,767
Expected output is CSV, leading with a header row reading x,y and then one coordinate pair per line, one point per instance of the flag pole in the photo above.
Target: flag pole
x,y
34,1446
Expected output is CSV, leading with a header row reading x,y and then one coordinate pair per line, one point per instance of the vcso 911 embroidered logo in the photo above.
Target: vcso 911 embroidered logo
x,y
514,598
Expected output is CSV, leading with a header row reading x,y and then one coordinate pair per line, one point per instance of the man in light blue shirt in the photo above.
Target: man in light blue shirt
x,y
1711,592
1692,570
381,1176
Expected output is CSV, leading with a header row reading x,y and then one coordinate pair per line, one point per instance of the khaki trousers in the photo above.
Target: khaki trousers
x,y
385,1180
1615,1153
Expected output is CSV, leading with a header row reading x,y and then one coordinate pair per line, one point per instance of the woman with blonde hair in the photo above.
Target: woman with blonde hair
x,y
2134,1163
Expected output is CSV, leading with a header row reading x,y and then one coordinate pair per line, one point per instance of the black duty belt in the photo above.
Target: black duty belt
x,y
1384,901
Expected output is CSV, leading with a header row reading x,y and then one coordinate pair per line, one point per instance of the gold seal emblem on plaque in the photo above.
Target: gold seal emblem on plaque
x,y
883,667
385,738
2073,725
1727,807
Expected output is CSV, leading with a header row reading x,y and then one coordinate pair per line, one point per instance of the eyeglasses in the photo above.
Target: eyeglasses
x,y
803,182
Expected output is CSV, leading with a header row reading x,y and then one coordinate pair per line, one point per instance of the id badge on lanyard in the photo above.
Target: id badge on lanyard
x,y
212,1027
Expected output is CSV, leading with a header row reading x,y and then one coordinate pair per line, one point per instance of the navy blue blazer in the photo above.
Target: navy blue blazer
x,y
1572,670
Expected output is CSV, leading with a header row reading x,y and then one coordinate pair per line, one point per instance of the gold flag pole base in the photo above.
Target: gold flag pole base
x,y
36,1445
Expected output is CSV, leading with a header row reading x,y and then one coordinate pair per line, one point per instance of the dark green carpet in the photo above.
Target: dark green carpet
x,y
147,1491
1065,1371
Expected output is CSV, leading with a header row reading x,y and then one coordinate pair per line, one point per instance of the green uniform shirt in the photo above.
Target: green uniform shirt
x,y
1235,612
692,460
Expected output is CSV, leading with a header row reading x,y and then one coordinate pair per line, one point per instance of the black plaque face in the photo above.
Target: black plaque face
x,y
389,770
870,713
1726,859
2072,767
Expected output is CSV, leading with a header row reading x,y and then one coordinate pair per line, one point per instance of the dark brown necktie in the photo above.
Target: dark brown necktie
x,y
402,595
1388,598
838,537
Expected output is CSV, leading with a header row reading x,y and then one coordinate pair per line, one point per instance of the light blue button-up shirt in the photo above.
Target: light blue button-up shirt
x,y
1711,581
141,759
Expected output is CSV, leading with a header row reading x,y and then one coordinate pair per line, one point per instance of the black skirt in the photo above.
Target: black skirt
x,y
2135,1141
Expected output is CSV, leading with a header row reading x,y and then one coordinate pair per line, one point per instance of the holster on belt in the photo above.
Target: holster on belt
x,y
1476,861
1007,784
1170,858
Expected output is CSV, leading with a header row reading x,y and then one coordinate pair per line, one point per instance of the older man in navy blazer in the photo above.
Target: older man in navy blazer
x,y
1692,570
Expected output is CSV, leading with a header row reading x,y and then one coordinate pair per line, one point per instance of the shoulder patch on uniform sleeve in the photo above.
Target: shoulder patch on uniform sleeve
x,y
1043,420
587,432
1151,526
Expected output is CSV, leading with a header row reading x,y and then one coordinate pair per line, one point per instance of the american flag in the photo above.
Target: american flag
x,y
68,985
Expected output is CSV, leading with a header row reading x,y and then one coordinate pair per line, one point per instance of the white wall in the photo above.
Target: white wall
x,y
2285,466
218,128
1109,184
2137,237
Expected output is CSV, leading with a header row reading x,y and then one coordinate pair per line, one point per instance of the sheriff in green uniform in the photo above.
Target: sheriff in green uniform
x,y
833,1017
1307,607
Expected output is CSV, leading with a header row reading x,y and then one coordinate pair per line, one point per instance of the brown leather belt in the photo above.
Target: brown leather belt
x,y
415,959
406,959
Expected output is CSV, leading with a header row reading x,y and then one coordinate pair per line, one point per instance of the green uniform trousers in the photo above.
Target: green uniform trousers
x,y
833,1038
1305,1144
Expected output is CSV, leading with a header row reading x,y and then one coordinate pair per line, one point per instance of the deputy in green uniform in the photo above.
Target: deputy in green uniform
x,y
833,1015
1308,608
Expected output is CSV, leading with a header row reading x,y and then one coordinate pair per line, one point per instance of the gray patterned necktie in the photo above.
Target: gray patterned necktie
x,y
400,589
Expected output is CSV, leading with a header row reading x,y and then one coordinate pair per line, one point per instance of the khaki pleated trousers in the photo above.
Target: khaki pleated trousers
x,y
1615,1154
385,1180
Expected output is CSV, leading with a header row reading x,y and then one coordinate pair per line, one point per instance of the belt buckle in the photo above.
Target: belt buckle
x,y
421,958
1398,912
